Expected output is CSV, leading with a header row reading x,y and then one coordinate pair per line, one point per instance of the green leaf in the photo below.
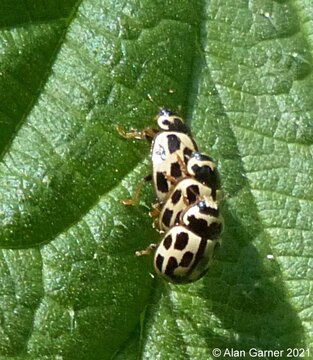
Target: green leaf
x,y
241,73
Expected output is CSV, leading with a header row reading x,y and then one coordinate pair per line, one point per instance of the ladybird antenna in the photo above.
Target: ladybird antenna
x,y
150,98
160,108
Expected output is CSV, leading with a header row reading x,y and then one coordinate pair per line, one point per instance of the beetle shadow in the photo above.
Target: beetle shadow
x,y
247,295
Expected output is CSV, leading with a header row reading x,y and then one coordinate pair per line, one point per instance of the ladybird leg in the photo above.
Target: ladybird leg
x,y
182,165
148,133
197,196
173,180
155,211
183,168
134,199
156,224
185,200
147,250
130,135
170,178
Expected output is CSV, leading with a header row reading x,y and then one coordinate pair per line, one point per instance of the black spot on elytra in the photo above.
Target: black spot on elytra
x,y
172,264
167,216
159,262
206,175
192,193
176,196
166,122
187,151
161,182
181,241
173,143
178,125
187,154
167,242
187,259
201,228
215,230
213,194
197,226
207,210
176,170
148,177
199,254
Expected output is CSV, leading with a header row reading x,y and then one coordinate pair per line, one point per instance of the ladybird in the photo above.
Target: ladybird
x,y
185,193
182,256
171,149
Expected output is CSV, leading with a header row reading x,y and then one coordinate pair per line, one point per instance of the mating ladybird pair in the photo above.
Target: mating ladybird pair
x,y
186,185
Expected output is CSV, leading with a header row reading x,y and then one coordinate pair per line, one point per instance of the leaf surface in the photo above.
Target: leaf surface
x,y
240,72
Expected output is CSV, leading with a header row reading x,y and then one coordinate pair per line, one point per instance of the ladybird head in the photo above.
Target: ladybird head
x,y
169,121
182,256
203,169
